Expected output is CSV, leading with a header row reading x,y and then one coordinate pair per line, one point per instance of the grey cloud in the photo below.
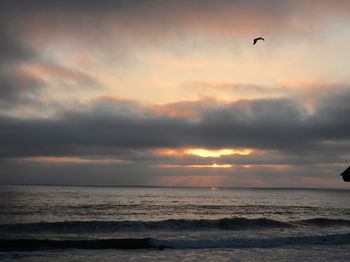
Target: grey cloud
x,y
20,88
335,106
16,88
96,5
68,76
12,49
298,176
240,88
140,18
31,173
276,124
269,6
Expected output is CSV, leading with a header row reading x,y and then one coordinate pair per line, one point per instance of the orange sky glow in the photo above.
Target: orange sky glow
x,y
203,152
178,86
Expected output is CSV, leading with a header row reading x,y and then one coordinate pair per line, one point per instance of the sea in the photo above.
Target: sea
x,y
87,223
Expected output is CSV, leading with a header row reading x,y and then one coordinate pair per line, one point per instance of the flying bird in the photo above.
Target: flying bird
x,y
257,39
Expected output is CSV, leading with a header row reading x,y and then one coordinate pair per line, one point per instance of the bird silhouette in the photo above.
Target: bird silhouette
x,y
257,39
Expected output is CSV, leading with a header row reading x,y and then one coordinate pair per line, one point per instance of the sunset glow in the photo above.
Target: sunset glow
x,y
213,129
131,91
216,153
214,165
205,153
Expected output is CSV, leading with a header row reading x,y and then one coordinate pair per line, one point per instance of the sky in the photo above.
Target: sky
x,y
173,93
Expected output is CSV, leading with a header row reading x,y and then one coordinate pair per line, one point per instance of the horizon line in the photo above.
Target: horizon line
x,y
157,186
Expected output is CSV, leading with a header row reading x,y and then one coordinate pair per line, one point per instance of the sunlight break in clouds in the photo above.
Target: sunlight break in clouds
x,y
202,152
217,153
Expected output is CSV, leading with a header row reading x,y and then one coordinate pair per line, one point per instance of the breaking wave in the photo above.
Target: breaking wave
x,y
168,225
171,224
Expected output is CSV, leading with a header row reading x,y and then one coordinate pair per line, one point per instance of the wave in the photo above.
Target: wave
x,y
170,224
324,222
335,239
167,225
149,243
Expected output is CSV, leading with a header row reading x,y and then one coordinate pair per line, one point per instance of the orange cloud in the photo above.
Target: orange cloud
x,y
165,110
188,109
55,72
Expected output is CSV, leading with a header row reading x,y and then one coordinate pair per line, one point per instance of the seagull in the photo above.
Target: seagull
x,y
256,40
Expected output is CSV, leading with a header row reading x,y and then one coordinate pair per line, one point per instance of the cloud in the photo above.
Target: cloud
x,y
154,20
186,109
17,87
25,75
267,124
12,49
48,47
65,76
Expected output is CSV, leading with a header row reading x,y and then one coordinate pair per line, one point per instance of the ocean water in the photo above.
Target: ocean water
x,y
54,223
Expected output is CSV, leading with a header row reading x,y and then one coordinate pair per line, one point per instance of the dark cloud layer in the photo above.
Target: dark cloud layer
x,y
164,18
17,88
12,49
271,6
278,124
